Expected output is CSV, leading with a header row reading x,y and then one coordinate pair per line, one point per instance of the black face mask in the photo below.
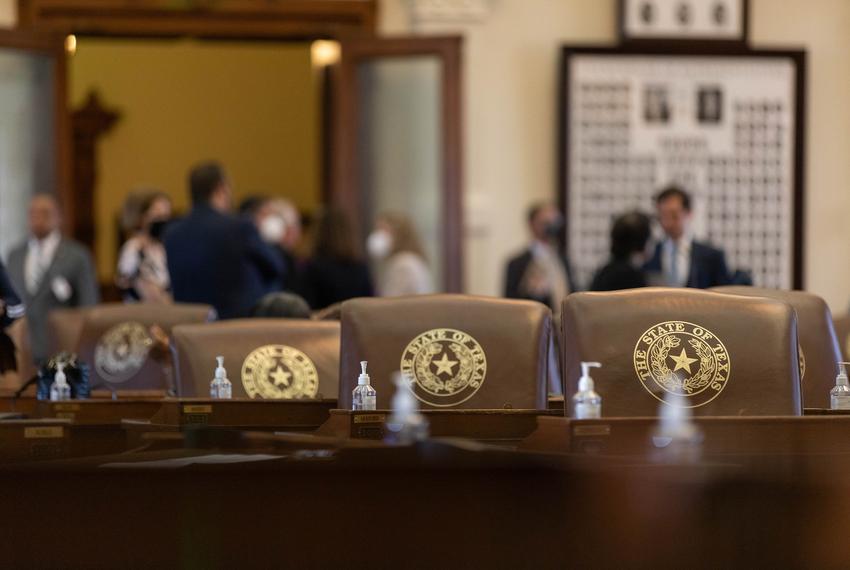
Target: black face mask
x,y
157,229
554,228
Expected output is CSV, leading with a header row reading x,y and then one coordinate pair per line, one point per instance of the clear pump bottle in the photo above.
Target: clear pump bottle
x,y
839,396
60,389
587,404
405,425
364,397
220,387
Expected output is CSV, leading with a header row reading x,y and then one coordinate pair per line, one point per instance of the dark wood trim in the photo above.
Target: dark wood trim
x,y
673,43
721,49
53,45
344,187
251,19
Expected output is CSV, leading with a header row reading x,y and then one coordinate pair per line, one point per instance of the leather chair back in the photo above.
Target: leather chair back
x,y
457,351
819,348
115,341
64,329
842,332
725,355
264,358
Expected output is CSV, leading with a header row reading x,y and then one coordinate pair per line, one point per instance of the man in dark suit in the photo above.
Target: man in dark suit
x,y
217,258
540,272
679,260
50,272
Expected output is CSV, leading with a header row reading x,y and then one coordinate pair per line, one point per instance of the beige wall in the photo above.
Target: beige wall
x,y
511,59
252,106
511,64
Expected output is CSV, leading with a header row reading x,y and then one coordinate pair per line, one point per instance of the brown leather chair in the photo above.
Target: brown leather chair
x,y
64,329
116,342
842,332
819,348
264,358
726,355
462,352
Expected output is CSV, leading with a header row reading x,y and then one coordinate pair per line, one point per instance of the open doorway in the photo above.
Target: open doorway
x,y
363,158
253,106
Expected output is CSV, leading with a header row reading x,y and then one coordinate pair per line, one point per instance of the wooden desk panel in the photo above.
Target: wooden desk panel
x,y
494,426
722,435
292,415
97,412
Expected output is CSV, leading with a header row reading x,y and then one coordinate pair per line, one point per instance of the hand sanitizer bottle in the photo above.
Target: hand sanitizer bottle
x,y
839,397
405,425
364,397
220,387
677,439
587,404
60,389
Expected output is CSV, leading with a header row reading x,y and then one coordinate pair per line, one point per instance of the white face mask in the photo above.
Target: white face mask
x,y
272,229
379,243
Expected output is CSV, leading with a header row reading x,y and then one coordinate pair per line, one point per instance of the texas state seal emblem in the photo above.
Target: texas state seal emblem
x,y
279,372
444,367
683,359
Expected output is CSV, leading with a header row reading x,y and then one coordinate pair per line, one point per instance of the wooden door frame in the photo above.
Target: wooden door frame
x,y
345,170
293,20
52,45
236,19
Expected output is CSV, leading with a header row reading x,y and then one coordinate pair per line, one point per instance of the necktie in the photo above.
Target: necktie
x,y
36,269
673,277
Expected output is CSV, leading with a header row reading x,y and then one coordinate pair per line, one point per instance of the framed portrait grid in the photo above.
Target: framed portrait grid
x,y
727,127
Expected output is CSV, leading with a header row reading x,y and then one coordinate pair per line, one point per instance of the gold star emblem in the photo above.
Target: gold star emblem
x,y
280,376
445,365
683,362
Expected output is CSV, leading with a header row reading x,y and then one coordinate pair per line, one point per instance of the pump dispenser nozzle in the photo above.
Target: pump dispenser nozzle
x,y
586,382
841,379
220,372
363,379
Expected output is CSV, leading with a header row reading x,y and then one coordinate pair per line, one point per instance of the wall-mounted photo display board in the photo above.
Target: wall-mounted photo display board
x,y
727,127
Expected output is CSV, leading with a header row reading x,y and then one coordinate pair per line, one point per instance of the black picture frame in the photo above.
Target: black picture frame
x,y
799,60
741,41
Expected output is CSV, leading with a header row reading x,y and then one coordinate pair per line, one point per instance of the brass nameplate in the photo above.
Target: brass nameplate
x,y
43,432
66,407
197,409
369,418
66,415
592,430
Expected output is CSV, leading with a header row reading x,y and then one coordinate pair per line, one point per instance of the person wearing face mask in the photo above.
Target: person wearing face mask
x,y
541,273
629,236
279,224
142,273
402,265
214,257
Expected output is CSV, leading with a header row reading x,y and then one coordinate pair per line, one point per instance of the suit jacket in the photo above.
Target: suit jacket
x,y
220,260
707,267
73,263
516,270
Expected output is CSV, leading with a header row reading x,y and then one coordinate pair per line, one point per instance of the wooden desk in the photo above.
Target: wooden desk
x,y
633,437
492,426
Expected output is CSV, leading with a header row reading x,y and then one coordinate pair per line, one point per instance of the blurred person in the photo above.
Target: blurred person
x,y
282,306
142,273
402,265
50,272
214,257
336,270
541,273
11,309
629,237
679,260
279,225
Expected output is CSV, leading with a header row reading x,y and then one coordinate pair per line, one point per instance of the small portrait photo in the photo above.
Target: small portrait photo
x,y
656,104
710,105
